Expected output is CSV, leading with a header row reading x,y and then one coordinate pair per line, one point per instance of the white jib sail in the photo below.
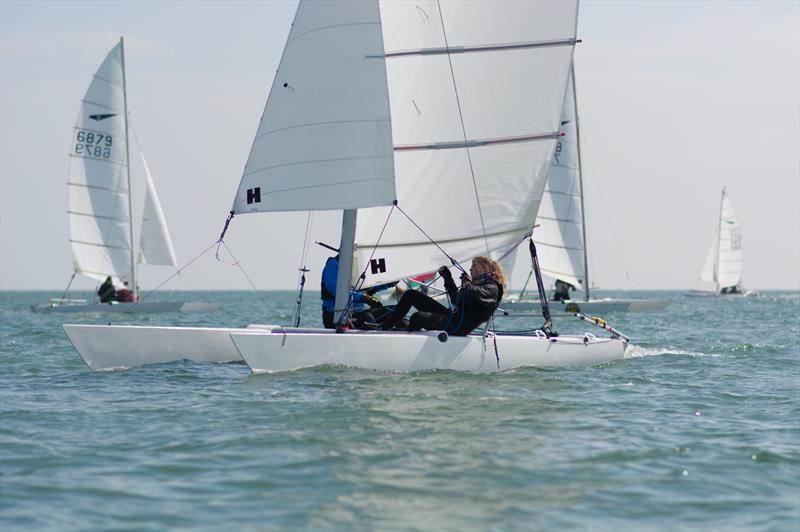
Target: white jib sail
x,y
476,91
709,271
155,244
559,237
729,265
99,217
325,140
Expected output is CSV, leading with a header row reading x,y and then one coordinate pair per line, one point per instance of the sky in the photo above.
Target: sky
x,y
676,100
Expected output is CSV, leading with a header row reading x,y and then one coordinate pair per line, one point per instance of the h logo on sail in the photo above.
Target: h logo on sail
x,y
253,195
377,266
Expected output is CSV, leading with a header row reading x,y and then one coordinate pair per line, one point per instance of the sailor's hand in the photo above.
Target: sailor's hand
x,y
372,301
444,271
465,277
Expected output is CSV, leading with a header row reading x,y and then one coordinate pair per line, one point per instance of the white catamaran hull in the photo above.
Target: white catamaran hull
x,y
593,307
274,348
288,349
161,306
107,347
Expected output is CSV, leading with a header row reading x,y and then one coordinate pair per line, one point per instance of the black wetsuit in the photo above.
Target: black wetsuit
x,y
473,304
106,292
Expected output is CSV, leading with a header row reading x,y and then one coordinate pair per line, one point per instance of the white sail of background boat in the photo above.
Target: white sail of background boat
x,y
561,233
101,200
449,109
722,270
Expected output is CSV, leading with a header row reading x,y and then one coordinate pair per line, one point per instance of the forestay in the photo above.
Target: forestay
x,y
559,237
476,91
99,215
325,140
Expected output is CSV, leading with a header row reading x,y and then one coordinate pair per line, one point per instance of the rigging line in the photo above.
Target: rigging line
x,y
64,295
463,128
177,272
304,255
453,261
239,265
301,281
516,245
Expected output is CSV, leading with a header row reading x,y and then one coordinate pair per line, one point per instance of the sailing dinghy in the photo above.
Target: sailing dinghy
x,y
417,121
101,201
561,235
722,272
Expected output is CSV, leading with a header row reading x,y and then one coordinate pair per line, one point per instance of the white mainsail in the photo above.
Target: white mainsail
x,y
155,244
476,91
729,255
560,235
99,216
324,141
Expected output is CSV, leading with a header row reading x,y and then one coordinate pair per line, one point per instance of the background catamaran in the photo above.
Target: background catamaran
x,y
722,271
561,233
417,121
101,220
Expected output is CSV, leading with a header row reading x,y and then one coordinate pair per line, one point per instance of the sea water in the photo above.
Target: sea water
x,y
697,429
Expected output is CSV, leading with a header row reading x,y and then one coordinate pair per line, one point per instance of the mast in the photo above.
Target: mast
x,y
345,264
134,287
580,181
719,237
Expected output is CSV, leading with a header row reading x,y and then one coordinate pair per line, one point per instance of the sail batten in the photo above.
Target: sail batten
x,y
484,48
478,142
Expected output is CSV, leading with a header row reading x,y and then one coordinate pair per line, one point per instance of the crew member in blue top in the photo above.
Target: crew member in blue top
x,y
366,307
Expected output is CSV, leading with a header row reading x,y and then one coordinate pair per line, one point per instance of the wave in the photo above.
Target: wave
x,y
636,351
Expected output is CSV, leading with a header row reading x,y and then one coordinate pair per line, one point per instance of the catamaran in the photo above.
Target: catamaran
x,y
101,201
561,233
722,272
431,126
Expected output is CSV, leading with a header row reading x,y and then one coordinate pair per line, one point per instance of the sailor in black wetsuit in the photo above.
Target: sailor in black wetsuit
x,y
473,304
107,292
562,291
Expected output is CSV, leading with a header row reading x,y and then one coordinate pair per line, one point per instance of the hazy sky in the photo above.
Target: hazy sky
x,y
676,100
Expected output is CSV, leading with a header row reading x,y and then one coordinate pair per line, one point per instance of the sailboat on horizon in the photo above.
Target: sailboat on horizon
x,y
416,121
722,271
101,220
560,234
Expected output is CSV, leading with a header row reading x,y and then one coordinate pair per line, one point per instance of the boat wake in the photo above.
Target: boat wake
x,y
635,351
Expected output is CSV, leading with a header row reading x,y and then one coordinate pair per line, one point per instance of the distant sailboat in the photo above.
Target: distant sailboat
x,y
561,233
722,272
101,204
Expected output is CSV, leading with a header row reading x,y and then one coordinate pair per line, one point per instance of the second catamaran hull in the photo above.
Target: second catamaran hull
x,y
289,349
593,307
108,347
